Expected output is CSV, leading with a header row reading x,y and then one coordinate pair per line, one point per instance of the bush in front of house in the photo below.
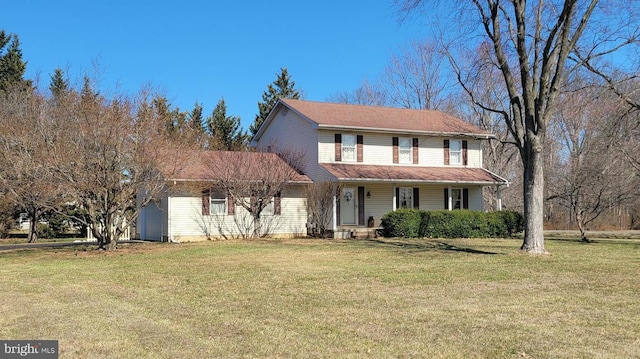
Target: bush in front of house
x,y
412,223
402,223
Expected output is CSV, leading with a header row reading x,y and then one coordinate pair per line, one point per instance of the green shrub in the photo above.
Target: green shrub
x,y
401,223
451,224
45,231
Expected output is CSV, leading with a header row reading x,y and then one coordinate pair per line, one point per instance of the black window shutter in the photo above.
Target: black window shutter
x,y
416,197
465,198
359,148
397,197
360,206
338,145
277,204
396,155
206,202
231,206
464,152
446,198
446,152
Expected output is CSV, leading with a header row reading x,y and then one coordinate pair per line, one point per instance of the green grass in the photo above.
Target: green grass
x,y
328,299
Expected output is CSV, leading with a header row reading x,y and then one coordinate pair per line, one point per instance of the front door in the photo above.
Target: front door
x,y
348,206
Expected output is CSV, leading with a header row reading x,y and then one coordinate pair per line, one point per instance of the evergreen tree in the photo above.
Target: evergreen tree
x,y
162,108
12,68
195,118
282,87
196,123
226,133
87,93
59,85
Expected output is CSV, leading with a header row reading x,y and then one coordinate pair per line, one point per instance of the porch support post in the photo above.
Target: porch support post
x,y
394,201
335,213
499,198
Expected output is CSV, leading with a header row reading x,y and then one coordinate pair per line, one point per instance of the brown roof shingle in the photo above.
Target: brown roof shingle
x,y
212,165
346,172
327,114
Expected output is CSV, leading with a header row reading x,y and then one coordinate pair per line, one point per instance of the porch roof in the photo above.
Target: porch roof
x,y
374,173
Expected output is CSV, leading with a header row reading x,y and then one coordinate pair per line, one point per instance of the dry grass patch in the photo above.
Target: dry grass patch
x,y
318,298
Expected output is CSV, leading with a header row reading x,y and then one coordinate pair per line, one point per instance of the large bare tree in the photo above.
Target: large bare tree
x,y
594,178
109,150
26,134
531,43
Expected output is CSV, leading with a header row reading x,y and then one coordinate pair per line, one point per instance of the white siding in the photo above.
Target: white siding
x,y
431,198
377,149
151,224
188,223
289,132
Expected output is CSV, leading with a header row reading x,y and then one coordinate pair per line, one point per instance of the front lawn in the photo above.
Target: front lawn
x,y
328,299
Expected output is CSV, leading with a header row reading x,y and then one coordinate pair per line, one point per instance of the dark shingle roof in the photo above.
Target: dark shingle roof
x,y
238,165
336,115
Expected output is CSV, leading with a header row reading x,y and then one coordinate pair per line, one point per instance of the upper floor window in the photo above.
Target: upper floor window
x,y
405,150
455,152
348,147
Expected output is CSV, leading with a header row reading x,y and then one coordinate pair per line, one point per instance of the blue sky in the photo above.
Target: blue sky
x,y
206,50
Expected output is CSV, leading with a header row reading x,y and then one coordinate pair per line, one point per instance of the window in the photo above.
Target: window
x,y
348,147
405,150
218,202
405,197
456,198
455,152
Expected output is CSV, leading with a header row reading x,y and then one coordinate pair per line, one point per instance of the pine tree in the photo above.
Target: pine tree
x,y
12,68
195,118
87,93
59,85
226,133
196,123
282,87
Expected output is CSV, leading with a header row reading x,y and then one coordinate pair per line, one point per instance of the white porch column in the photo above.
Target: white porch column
x,y
393,196
499,198
335,213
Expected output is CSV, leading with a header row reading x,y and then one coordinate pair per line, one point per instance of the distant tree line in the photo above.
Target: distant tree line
x,y
76,156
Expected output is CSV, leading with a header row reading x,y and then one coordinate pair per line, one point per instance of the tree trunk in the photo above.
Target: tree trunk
x,y
581,227
257,227
33,226
533,188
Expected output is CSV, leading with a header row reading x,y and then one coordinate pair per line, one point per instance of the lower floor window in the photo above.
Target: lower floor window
x,y
406,197
218,202
456,198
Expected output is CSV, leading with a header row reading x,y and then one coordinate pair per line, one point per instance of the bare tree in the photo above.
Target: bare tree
x,y
594,178
531,43
110,150
320,196
253,180
25,139
368,93
415,77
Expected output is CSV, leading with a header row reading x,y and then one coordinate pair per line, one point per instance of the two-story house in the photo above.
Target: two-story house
x,y
384,158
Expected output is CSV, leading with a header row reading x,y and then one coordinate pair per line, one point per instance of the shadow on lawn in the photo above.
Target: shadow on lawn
x,y
431,246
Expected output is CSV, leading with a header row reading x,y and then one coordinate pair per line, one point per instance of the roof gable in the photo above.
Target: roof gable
x,y
385,119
